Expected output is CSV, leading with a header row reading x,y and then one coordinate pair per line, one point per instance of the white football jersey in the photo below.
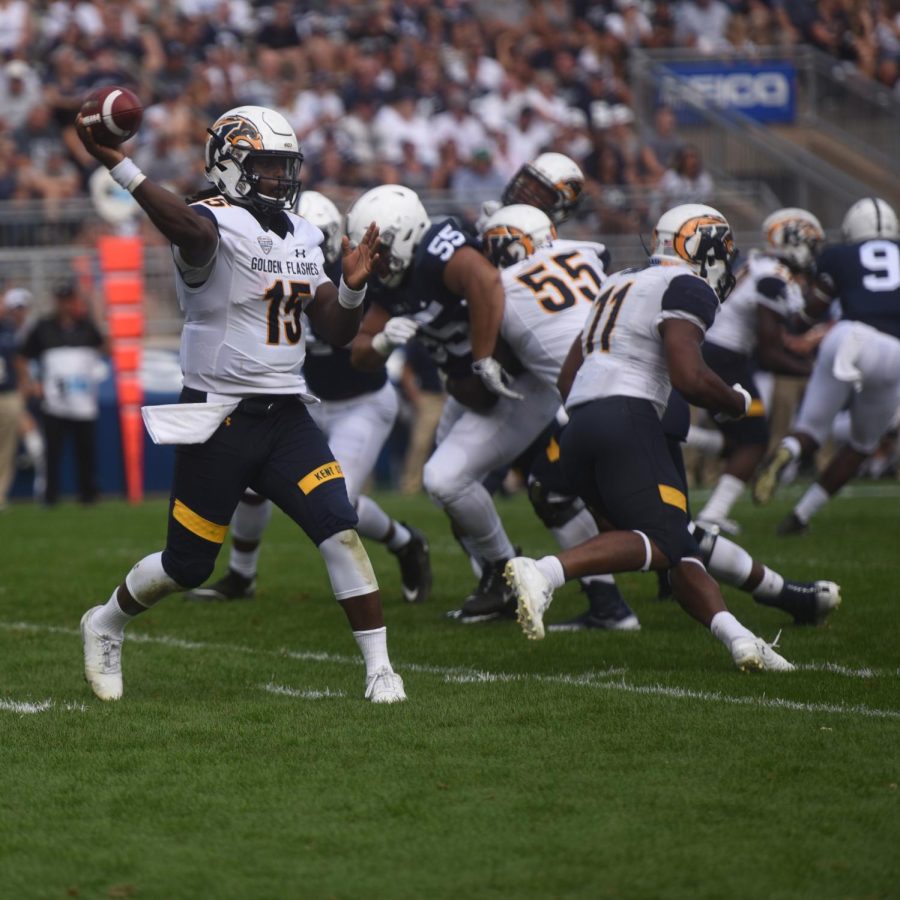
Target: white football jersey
x,y
243,332
763,281
548,297
622,346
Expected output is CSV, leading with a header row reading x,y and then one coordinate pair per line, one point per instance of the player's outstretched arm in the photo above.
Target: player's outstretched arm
x,y
194,235
336,312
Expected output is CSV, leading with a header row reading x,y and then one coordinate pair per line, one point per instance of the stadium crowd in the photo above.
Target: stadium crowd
x,y
433,95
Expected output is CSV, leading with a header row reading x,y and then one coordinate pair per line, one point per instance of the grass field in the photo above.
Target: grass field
x,y
244,763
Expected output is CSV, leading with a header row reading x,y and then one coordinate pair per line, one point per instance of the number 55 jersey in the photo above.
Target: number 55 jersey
x,y
621,343
548,297
243,330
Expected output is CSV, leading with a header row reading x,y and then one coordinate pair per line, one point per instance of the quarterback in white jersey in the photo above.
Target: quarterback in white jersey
x,y
642,338
247,269
749,332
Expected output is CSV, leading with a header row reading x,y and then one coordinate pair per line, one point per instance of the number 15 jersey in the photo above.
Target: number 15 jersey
x,y
622,346
243,330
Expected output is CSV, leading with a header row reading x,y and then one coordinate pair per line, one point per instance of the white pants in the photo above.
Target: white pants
x,y
356,430
875,357
471,445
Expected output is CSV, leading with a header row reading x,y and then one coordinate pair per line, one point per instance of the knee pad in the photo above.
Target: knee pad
x,y
706,539
442,486
348,565
554,510
189,571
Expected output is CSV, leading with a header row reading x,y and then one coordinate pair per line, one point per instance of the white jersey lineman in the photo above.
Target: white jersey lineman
x,y
242,332
548,297
763,281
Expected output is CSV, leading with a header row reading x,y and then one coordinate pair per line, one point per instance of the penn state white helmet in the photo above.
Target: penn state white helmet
x,y
401,220
320,211
869,218
794,235
701,237
514,232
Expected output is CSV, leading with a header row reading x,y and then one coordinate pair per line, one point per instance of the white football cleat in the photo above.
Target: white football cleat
x,y
753,654
385,686
828,598
534,594
102,660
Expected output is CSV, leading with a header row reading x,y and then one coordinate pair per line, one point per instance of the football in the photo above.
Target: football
x,y
113,114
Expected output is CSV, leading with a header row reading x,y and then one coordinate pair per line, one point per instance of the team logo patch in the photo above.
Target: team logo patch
x,y
328,472
265,243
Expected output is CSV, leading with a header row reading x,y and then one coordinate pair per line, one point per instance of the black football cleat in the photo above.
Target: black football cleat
x,y
231,586
415,567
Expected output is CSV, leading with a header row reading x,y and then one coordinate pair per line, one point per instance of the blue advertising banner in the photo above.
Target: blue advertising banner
x,y
766,91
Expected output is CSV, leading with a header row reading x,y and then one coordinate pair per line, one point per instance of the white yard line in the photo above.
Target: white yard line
x,y
611,679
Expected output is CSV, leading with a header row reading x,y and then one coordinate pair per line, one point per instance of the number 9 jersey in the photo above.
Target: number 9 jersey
x,y
243,330
865,277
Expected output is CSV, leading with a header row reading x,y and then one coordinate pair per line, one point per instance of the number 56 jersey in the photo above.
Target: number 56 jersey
x,y
243,330
622,347
548,297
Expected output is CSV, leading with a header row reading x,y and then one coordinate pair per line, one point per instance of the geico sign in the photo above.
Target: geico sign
x,y
737,89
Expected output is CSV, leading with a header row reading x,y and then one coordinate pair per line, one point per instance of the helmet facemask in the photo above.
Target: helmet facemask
x,y
714,251
532,187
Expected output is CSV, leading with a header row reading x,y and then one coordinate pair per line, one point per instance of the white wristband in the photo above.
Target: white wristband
x,y
127,175
347,297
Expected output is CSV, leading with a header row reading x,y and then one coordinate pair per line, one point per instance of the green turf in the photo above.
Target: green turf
x,y
587,765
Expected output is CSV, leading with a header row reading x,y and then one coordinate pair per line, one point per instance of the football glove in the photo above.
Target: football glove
x,y
396,333
725,417
494,378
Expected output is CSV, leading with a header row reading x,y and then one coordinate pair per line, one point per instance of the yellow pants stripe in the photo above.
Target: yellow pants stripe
x,y
196,524
553,450
328,472
672,496
756,408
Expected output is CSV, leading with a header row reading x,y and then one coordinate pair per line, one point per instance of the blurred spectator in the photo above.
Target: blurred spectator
x,y
457,124
527,136
15,28
702,24
475,181
661,143
20,92
66,346
359,130
685,181
12,405
400,121
628,24
279,34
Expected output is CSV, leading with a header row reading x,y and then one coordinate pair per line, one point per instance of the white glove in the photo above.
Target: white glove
x,y
725,417
494,378
396,333
488,208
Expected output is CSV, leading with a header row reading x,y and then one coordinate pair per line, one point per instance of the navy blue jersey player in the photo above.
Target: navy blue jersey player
x,y
434,282
858,365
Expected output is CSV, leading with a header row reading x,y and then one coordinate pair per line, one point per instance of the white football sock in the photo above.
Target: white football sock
x,y
706,440
792,445
111,619
724,496
729,562
373,645
770,586
551,568
811,502
726,628
248,524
